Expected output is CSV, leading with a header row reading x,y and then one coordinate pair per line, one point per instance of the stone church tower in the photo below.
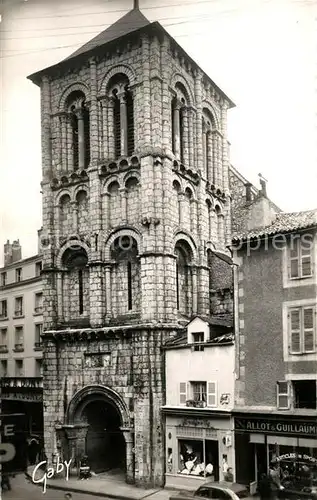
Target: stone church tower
x,y
135,192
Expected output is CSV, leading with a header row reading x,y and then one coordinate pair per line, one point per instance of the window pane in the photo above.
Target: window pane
x,y
308,318
295,320
309,341
306,266
283,387
283,401
293,251
294,268
295,341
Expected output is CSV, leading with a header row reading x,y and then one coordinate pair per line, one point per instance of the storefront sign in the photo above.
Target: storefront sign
x,y
23,396
188,422
34,383
294,456
300,428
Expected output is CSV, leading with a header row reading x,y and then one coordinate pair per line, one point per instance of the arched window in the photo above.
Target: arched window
x,y
180,123
220,226
82,212
79,129
175,205
114,204
184,282
76,284
133,205
209,215
207,138
65,214
125,280
123,115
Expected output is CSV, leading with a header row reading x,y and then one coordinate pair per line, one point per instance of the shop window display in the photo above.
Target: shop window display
x,y
198,458
295,467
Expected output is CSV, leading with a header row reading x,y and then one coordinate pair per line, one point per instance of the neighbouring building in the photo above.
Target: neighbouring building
x,y
135,203
276,342
21,322
200,370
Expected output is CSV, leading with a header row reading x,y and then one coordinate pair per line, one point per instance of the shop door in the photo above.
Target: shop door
x,y
212,457
261,460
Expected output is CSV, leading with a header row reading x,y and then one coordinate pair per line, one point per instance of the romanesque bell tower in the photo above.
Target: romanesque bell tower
x,y
135,192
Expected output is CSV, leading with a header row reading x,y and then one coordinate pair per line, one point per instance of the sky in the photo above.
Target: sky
x,y
261,53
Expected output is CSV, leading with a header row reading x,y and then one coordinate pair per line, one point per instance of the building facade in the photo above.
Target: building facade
x,y
135,191
276,345
200,364
21,322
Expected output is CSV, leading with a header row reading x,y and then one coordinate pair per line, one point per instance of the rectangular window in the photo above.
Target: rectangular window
x,y
38,268
18,274
283,395
4,336
19,338
38,333
18,309
38,308
199,391
302,330
3,279
19,368
3,309
38,367
4,368
300,259
305,394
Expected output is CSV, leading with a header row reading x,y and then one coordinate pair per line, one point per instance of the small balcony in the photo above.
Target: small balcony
x,y
4,348
191,403
18,348
38,346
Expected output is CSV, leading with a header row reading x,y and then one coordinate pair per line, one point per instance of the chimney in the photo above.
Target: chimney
x,y
260,214
248,194
16,251
263,186
7,250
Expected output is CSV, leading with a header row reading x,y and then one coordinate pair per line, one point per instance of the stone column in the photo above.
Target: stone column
x,y
46,127
146,107
225,159
181,202
81,139
93,114
64,140
104,143
166,98
124,215
209,157
191,118
75,216
110,121
69,146
195,289
198,97
185,149
106,211
176,123
59,286
193,216
82,430
108,290
123,124
129,441
204,143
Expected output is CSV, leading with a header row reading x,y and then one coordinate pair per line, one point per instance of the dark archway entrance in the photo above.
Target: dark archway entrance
x,y
105,443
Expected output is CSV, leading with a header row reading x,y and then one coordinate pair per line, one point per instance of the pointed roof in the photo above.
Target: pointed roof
x,y
130,22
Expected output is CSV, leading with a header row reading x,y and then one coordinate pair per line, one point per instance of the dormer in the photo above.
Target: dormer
x,y
198,331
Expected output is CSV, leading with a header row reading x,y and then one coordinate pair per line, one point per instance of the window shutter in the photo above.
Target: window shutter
x,y
295,346
212,394
182,393
308,321
282,395
294,259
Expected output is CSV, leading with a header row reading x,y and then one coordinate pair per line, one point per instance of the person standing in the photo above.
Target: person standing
x,y
264,487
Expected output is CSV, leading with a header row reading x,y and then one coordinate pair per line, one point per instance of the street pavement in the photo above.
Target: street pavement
x,y
25,490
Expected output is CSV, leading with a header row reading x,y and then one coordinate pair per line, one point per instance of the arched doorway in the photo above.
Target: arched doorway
x,y
105,443
109,438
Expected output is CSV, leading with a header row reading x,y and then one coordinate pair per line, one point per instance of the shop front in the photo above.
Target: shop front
x,y
287,444
199,448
